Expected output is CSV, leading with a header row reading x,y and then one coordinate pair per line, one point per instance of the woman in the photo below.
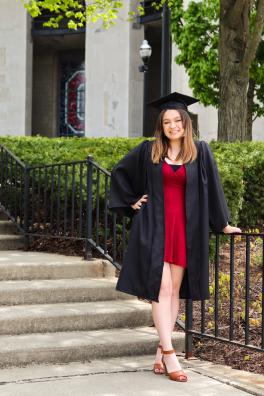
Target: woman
x,y
172,188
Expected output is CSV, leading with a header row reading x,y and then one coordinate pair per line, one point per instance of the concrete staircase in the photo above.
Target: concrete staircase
x,y
9,236
58,309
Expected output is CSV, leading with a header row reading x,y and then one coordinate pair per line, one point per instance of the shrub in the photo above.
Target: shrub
x,y
241,165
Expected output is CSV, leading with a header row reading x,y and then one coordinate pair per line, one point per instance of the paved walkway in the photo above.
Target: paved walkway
x,y
129,376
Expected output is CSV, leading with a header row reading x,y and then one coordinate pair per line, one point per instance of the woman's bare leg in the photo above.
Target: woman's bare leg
x,y
177,274
161,311
165,312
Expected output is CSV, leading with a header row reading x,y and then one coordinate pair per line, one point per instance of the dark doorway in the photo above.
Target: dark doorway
x,y
58,84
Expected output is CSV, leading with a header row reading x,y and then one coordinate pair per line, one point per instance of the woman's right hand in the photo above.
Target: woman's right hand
x,y
138,204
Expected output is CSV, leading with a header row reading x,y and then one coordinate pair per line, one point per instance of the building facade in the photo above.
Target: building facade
x,y
86,83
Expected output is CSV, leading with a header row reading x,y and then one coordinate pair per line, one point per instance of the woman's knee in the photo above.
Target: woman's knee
x,y
166,289
176,290
177,276
166,281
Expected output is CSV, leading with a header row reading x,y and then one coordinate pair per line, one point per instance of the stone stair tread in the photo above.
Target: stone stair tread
x,y
11,237
53,291
7,226
18,264
31,312
3,216
44,284
20,258
92,338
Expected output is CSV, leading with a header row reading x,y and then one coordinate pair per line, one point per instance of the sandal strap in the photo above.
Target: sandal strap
x,y
168,352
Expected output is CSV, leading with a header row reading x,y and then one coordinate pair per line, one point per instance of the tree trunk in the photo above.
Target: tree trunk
x,y
237,49
250,103
232,115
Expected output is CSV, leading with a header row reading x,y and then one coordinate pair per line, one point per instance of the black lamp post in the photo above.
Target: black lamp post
x,y
145,53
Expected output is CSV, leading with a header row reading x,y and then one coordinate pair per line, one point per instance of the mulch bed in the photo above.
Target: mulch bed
x,y
230,355
207,349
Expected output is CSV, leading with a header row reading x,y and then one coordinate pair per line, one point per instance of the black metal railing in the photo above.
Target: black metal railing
x,y
235,311
66,200
12,182
70,200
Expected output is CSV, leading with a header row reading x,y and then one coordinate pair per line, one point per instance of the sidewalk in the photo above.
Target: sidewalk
x,y
129,376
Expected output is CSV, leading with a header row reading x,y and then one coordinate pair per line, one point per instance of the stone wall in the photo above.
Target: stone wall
x,y
114,86
15,69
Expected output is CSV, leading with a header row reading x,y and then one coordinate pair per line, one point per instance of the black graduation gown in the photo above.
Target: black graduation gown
x,y
136,175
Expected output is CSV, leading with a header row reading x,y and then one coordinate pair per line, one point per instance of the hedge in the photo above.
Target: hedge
x,y
241,165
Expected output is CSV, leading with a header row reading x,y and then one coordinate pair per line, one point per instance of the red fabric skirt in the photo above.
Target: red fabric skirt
x,y
174,183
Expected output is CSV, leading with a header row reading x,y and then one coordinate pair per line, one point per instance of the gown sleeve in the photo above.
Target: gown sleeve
x,y
219,214
128,180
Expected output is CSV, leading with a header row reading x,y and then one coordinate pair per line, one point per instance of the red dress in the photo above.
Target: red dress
x,y
174,182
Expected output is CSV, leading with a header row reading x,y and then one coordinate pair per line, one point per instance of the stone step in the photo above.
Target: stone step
x,y
22,319
11,242
20,265
58,291
3,216
8,228
64,347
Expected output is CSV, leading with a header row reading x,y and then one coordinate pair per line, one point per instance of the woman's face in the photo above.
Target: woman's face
x,y
172,125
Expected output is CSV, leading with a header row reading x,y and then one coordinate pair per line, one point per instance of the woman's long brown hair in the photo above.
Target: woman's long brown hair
x,y
188,152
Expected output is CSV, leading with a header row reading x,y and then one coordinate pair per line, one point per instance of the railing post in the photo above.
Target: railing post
x,y
26,206
188,327
89,208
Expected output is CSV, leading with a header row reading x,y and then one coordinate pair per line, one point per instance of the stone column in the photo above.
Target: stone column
x,y
15,69
113,85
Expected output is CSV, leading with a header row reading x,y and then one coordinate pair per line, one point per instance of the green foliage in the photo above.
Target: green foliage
x,y
241,165
195,31
257,74
75,12
39,150
246,167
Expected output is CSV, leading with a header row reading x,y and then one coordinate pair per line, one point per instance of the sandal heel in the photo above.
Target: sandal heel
x,y
178,375
159,366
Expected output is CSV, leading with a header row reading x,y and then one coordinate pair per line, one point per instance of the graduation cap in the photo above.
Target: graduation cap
x,y
174,100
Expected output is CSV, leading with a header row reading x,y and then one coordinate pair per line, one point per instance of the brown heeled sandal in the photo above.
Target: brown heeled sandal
x,y
178,375
158,368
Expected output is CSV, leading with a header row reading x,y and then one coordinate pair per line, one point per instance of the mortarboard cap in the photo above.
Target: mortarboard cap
x,y
174,100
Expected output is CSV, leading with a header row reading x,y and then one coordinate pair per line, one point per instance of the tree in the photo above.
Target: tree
x,y
216,57
220,47
76,12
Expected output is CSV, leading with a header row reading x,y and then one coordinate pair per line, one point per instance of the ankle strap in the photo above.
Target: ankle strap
x,y
168,352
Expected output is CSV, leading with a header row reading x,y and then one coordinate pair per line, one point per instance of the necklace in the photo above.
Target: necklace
x,y
171,159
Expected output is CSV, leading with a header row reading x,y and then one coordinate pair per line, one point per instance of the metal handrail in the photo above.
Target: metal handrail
x,y
69,200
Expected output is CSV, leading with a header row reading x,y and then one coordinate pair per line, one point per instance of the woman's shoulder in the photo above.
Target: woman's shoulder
x,y
202,146
201,143
145,146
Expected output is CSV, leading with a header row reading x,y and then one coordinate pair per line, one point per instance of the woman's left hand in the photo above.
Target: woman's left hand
x,y
229,229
